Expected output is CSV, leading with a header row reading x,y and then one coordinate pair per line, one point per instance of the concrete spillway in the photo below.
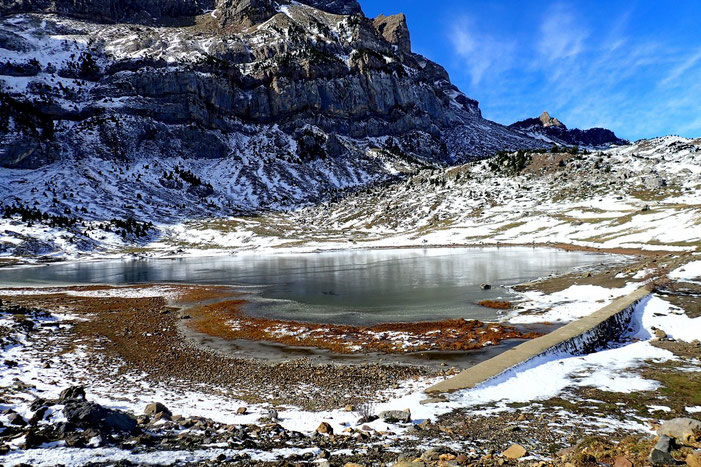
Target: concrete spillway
x,y
579,337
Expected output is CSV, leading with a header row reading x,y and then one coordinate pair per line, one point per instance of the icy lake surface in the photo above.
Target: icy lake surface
x,y
347,287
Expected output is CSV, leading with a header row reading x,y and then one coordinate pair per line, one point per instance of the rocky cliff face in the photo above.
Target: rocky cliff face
x,y
290,100
553,130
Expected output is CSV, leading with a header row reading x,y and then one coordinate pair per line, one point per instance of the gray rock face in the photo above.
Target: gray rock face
x,y
303,89
339,7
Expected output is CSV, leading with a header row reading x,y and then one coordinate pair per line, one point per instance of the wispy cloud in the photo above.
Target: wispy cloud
x,y
561,34
484,54
586,70
686,65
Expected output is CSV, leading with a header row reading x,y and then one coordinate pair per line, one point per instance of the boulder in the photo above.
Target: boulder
x,y
16,419
516,451
325,429
241,411
685,431
157,408
92,415
660,453
396,416
74,392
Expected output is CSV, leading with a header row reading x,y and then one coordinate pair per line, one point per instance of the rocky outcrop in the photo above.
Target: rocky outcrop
x,y
394,30
553,130
306,89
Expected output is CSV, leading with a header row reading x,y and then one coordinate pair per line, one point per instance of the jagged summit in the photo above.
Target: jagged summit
x,y
549,129
548,121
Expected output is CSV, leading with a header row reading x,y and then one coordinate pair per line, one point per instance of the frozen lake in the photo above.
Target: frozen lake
x,y
347,287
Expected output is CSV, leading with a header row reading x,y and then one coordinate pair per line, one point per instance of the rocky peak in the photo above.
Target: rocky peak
x,y
551,129
395,31
548,121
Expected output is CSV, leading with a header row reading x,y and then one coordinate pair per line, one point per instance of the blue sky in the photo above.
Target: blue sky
x,y
631,66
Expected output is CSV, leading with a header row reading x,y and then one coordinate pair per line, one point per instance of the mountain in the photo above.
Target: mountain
x,y
173,109
554,131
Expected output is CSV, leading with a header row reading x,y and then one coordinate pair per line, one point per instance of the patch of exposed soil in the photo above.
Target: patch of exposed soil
x,y
225,319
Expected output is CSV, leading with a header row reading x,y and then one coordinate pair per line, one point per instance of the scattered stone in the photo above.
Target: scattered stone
x,y
158,411
516,451
660,453
396,416
72,393
622,461
325,429
685,431
33,439
17,420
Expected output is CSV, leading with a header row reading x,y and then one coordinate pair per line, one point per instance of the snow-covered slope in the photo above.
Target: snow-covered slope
x,y
646,195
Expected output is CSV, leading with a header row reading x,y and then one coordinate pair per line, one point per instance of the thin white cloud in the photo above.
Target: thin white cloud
x,y
688,63
561,34
483,54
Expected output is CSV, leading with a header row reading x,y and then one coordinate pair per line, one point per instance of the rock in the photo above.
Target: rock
x,y
38,415
241,411
156,409
394,30
485,287
660,453
33,439
685,431
91,415
694,459
434,400
396,416
16,419
622,461
516,451
462,459
72,393
325,429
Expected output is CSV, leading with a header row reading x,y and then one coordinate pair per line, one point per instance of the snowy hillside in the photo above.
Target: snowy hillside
x,y
624,197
